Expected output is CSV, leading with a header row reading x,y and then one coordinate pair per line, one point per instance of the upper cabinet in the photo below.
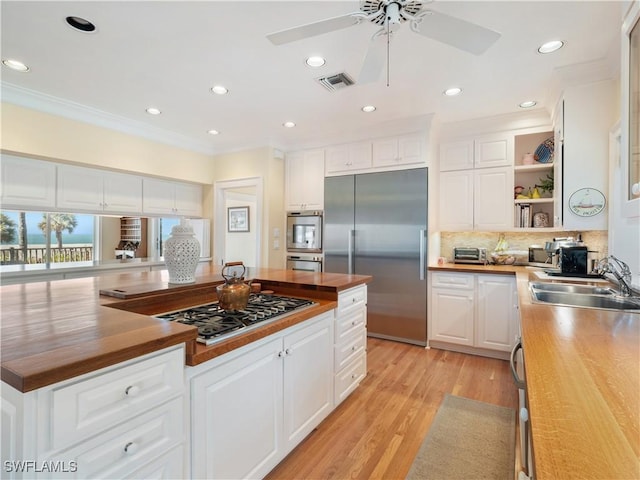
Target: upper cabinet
x,y
585,153
495,150
380,154
27,183
172,198
476,183
342,159
404,150
304,174
91,190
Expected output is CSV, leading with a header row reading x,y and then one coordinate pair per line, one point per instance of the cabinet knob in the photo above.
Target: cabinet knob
x,y
354,348
353,324
130,448
132,391
288,351
281,354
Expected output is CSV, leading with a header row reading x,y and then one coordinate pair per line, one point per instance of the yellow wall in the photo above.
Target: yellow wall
x,y
39,134
260,162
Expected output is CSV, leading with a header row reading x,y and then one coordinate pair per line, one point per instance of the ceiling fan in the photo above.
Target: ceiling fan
x,y
390,14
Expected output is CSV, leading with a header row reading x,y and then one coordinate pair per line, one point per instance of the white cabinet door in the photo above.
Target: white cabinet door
x,y
27,183
236,415
493,198
456,200
305,180
79,189
456,155
308,385
452,315
188,200
493,150
122,193
496,308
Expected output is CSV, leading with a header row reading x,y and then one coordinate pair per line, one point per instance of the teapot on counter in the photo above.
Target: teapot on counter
x,y
234,293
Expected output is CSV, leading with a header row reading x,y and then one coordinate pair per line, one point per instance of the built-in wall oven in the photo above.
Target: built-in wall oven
x,y
304,231
304,263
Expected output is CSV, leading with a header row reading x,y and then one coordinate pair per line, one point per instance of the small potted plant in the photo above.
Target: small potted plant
x,y
546,184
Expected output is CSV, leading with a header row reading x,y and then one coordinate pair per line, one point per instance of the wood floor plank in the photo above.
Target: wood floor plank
x,y
377,431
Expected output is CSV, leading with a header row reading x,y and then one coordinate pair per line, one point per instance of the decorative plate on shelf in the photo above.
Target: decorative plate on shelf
x,y
544,152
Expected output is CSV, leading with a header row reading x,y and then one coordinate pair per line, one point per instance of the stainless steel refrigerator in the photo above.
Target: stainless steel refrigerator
x,y
376,224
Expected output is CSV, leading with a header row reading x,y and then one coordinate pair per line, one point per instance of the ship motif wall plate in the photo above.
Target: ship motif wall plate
x,y
587,202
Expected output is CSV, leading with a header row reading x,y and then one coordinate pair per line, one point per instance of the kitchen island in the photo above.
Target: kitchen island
x,y
582,370
93,385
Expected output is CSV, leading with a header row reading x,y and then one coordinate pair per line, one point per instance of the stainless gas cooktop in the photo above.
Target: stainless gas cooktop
x,y
215,324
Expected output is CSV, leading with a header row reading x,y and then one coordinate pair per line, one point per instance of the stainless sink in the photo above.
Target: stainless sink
x,y
571,288
585,296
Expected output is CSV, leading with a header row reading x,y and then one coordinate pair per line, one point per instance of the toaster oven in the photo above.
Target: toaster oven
x,y
470,255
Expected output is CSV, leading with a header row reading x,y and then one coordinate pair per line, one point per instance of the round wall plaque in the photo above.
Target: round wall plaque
x,y
587,202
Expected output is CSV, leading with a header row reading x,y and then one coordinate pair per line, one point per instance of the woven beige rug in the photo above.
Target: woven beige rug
x,y
468,440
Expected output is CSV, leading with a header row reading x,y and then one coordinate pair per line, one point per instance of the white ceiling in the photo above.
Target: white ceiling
x,y
169,54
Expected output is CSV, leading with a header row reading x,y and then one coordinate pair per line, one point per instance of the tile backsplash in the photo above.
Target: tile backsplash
x,y
595,240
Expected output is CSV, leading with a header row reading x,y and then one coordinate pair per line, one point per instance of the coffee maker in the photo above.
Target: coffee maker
x,y
573,260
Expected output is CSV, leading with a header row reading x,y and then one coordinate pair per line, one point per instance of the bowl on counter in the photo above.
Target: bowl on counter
x,y
503,259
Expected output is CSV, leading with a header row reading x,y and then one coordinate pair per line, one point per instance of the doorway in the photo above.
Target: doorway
x,y
238,244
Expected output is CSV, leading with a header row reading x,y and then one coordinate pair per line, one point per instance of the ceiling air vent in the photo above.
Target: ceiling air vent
x,y
335,82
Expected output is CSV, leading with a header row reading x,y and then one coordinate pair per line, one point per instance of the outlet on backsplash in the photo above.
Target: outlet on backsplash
x,y
596,240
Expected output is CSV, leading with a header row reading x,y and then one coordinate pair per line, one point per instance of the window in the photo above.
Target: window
x,y
24,237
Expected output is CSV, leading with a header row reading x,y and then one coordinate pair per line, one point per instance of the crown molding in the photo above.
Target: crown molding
x,y
64,108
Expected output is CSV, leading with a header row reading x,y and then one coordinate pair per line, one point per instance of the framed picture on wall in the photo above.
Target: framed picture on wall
x,y
238,219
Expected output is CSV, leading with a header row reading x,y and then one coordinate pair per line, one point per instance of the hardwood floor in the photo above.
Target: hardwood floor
x,y
377,431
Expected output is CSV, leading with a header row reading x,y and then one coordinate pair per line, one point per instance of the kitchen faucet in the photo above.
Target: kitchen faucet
x,y
618,269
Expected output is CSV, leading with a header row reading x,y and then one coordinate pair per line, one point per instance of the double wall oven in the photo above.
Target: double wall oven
x,y
304,240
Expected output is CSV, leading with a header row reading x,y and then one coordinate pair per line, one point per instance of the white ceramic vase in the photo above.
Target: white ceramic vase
x,y
181,253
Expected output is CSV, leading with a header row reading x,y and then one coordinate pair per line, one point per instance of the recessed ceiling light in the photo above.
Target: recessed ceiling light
x,y
551,46
81,24
213,132
153,111
368,108
219,89
450,92
288,124
315,61
528,104
15,65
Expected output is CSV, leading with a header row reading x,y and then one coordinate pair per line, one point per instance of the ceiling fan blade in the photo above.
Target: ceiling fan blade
x,y
374,60
455,32
313,29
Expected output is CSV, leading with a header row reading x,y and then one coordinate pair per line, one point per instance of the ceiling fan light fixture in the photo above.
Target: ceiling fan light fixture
x,y
219,90
368,108
528,104
315,61
16,65
453,91
550,47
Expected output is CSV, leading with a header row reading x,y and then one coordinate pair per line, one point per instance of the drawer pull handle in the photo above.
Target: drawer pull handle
x,y
132,391
130,448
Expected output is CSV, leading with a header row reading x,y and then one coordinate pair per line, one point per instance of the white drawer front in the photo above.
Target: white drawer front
x,y
452,280
348,379
352,345
167,467
352,298
350,321
121,451
89,406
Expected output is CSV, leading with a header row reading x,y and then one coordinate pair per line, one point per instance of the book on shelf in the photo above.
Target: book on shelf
x,y
523,215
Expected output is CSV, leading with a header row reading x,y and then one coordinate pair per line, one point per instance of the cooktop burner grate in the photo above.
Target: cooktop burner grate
x,y
214,323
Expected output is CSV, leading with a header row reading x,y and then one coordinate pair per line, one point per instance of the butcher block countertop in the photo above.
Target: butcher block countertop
x,y
53,331
582,370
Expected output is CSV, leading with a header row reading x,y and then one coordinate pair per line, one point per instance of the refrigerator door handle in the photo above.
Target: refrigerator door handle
x,y
350,240
422,253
